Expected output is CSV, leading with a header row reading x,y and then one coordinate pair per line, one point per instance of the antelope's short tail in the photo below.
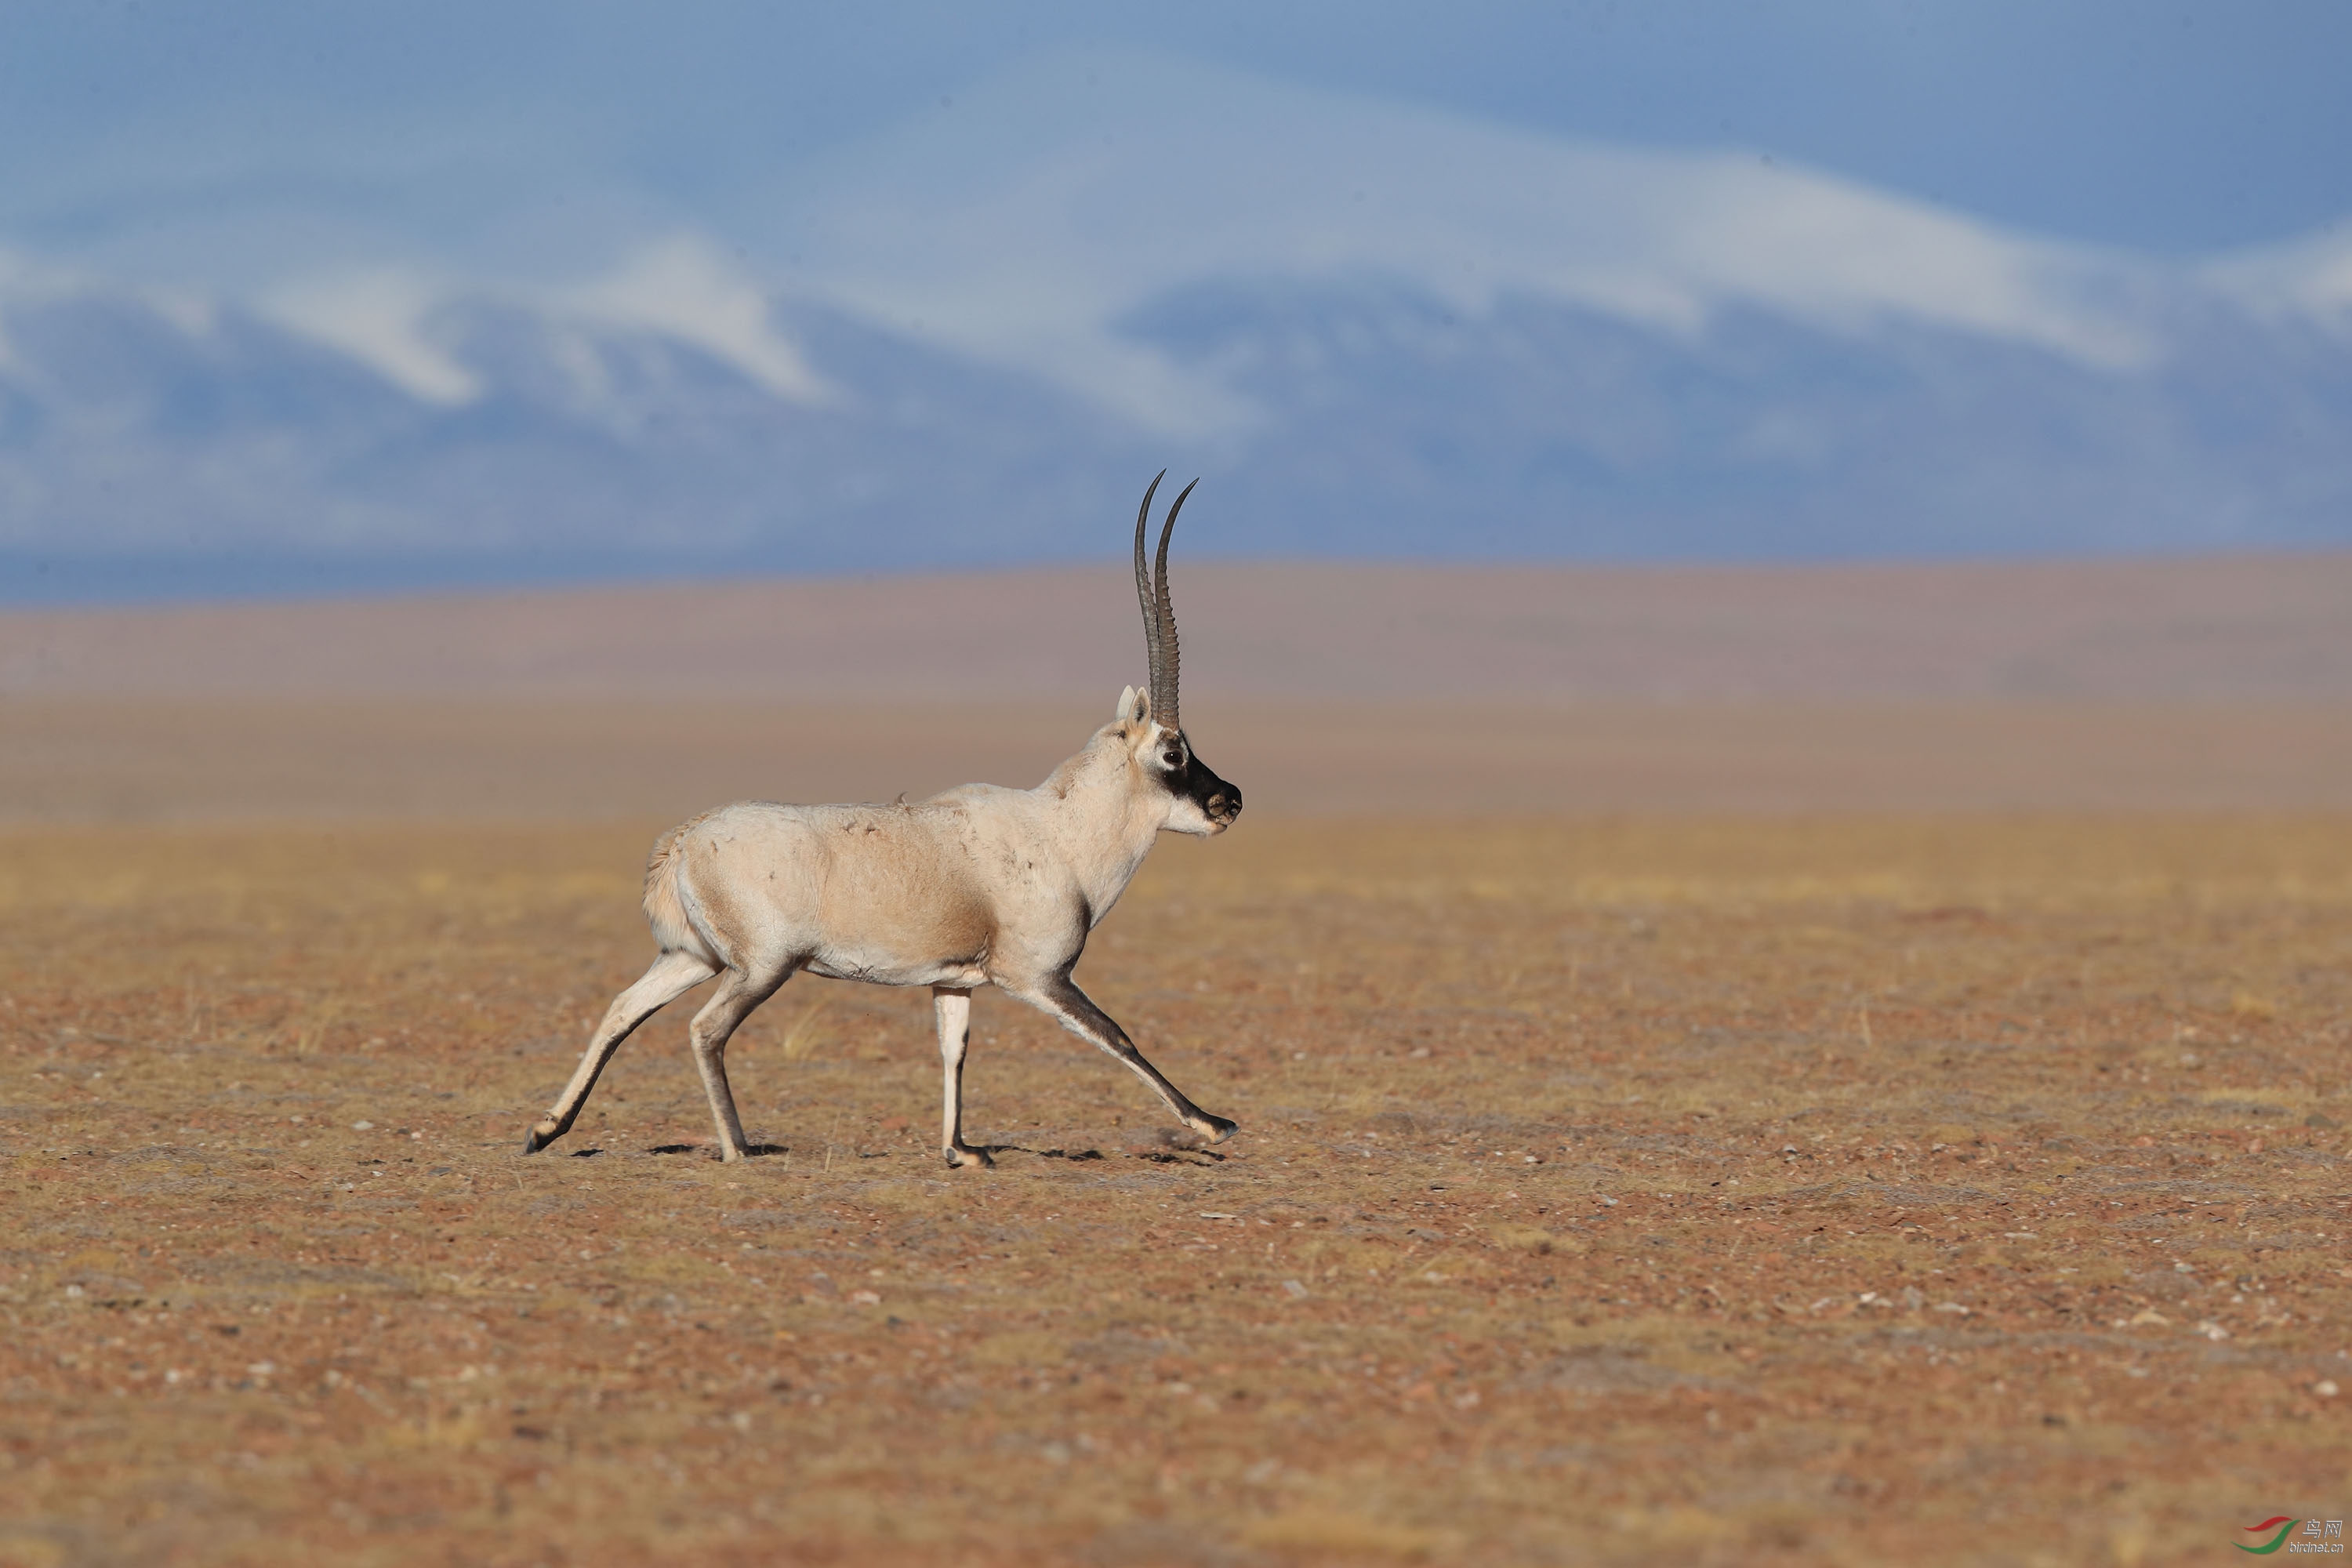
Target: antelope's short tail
x,y
666,900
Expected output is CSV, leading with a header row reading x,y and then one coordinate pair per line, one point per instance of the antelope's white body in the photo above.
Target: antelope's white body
x,y
979,886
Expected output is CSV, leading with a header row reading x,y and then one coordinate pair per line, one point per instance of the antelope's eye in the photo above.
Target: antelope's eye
x,y
1173,759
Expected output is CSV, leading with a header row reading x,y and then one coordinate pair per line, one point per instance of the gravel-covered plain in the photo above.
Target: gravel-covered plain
x,y
1805,1191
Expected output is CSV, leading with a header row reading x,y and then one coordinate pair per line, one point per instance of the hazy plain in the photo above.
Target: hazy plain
x,y
2183,685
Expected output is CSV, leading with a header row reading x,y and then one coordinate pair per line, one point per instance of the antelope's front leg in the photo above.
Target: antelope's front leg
x,y
1075,1011
954,1009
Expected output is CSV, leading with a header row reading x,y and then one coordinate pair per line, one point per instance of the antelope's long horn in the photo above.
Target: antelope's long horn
x,y
1171,661
1143,594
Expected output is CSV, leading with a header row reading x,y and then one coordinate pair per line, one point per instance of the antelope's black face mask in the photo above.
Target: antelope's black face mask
x,y
1205,803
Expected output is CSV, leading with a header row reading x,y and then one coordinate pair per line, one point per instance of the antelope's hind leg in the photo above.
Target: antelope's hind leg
x,y
738,993
954,1010
672,976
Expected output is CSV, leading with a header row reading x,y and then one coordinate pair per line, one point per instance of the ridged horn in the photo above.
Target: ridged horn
x,y
1143,594
1166,680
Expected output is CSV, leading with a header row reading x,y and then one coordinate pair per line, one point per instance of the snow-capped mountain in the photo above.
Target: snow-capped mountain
x,y
1377,329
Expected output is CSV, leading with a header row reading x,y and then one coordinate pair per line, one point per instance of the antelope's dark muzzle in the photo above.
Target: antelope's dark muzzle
x,y
1219,801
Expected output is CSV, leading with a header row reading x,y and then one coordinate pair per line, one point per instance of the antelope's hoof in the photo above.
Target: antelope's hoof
x,y
1215,1129
540,1136
959,1159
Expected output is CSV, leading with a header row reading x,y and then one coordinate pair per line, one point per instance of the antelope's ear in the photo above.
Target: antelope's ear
x,y
1134,707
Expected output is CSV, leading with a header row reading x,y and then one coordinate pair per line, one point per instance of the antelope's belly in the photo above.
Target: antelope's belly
x,y
888,968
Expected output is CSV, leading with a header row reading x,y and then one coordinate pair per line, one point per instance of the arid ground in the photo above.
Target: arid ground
x,y
1835,1066
1773,1190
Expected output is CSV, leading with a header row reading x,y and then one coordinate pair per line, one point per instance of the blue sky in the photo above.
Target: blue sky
x,y
2163,128
455,289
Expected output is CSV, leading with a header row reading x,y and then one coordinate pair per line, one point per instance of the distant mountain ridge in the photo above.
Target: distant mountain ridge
x,y
1376,331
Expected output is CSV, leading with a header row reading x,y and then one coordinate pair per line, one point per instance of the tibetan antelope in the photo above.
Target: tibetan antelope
x,y
981,885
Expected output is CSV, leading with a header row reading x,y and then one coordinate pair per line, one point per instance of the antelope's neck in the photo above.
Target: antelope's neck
x,y
1107,827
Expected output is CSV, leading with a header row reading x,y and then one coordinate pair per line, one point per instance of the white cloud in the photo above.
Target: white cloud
x,y
17,279
680,287
1023,225
685,288
382,318
24,280
2310,278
